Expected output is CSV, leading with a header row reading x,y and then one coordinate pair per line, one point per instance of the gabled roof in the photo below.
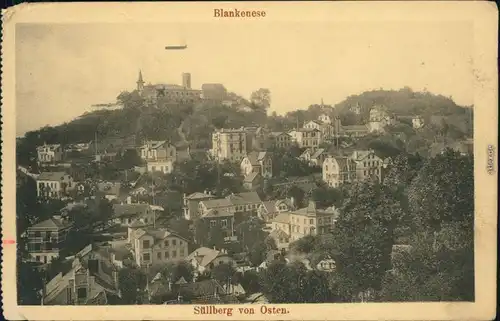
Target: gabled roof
x,y
198,195
282,218
278,233
109,188
216,203
51,147
51,176
244,198
275,134
317,153
51,223
304,130
154,144
204,255
159,234
256,157
317,121
213,213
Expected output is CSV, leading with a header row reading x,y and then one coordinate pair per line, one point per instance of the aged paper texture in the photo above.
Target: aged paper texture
x,y
249,161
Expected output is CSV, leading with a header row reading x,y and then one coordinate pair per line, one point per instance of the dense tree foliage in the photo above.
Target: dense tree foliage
x,y
131,282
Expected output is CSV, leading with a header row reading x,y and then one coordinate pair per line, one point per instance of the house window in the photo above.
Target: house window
x,y
166,255
181,253
224,223
213,223
145,244
37,258
146,257
174,242
82,293
174,254
158,255
180,242
311,221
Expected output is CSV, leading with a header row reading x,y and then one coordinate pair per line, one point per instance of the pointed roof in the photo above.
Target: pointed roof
x,y
140,80
53,222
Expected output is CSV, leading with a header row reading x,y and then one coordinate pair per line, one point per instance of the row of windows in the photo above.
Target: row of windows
x,y
223,223
163,169
371,164
313,143
146,244
371,171
167,255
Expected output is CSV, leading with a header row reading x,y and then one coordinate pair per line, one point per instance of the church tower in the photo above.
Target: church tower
x,y
140,83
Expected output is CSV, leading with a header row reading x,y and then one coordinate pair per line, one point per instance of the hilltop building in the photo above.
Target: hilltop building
x,y
170,93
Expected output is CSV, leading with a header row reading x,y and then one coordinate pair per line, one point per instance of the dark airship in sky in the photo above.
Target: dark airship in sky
x,y
176,47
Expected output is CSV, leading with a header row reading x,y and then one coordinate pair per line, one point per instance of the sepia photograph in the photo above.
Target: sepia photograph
x,y
242,163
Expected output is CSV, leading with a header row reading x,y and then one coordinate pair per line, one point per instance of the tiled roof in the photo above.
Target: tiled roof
x,y
204,255
277,234
109,188
202,288
216,203
223,212
318,153
244,198
255,157
282,218
198,195
53,222
51,176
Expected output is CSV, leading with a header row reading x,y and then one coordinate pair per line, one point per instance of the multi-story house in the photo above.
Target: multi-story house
x,y
154,246
354,131
253,181
314,157
270,209
47,238
91,280
229,144
257,138
324,118
379,118
160,156
54,184
360,165
204,259
305,137
338,170
245,203
224,218
259,162
326,129
306,221
368,164
191,202
155,150
280,139
49,153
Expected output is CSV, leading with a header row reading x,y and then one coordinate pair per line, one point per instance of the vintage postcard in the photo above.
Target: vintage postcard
x,y
249,161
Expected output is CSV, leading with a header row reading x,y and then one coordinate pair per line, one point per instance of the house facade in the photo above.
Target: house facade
x,y
314,157
229,144
306,221
154,246
54,184
205,259
47,238
280,139
368,164
164,166
259,162
49,153
326,129
338,170
191,203
222,218
92,280
305,137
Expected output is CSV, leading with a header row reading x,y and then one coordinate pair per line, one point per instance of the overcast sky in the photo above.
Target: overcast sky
x,y
62,69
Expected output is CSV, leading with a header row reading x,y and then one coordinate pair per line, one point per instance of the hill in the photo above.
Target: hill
x,y
194,123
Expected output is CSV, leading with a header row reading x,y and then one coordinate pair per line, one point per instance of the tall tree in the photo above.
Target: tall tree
x,y
131,283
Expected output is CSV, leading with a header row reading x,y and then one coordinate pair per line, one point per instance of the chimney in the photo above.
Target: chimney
x,y
292,202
